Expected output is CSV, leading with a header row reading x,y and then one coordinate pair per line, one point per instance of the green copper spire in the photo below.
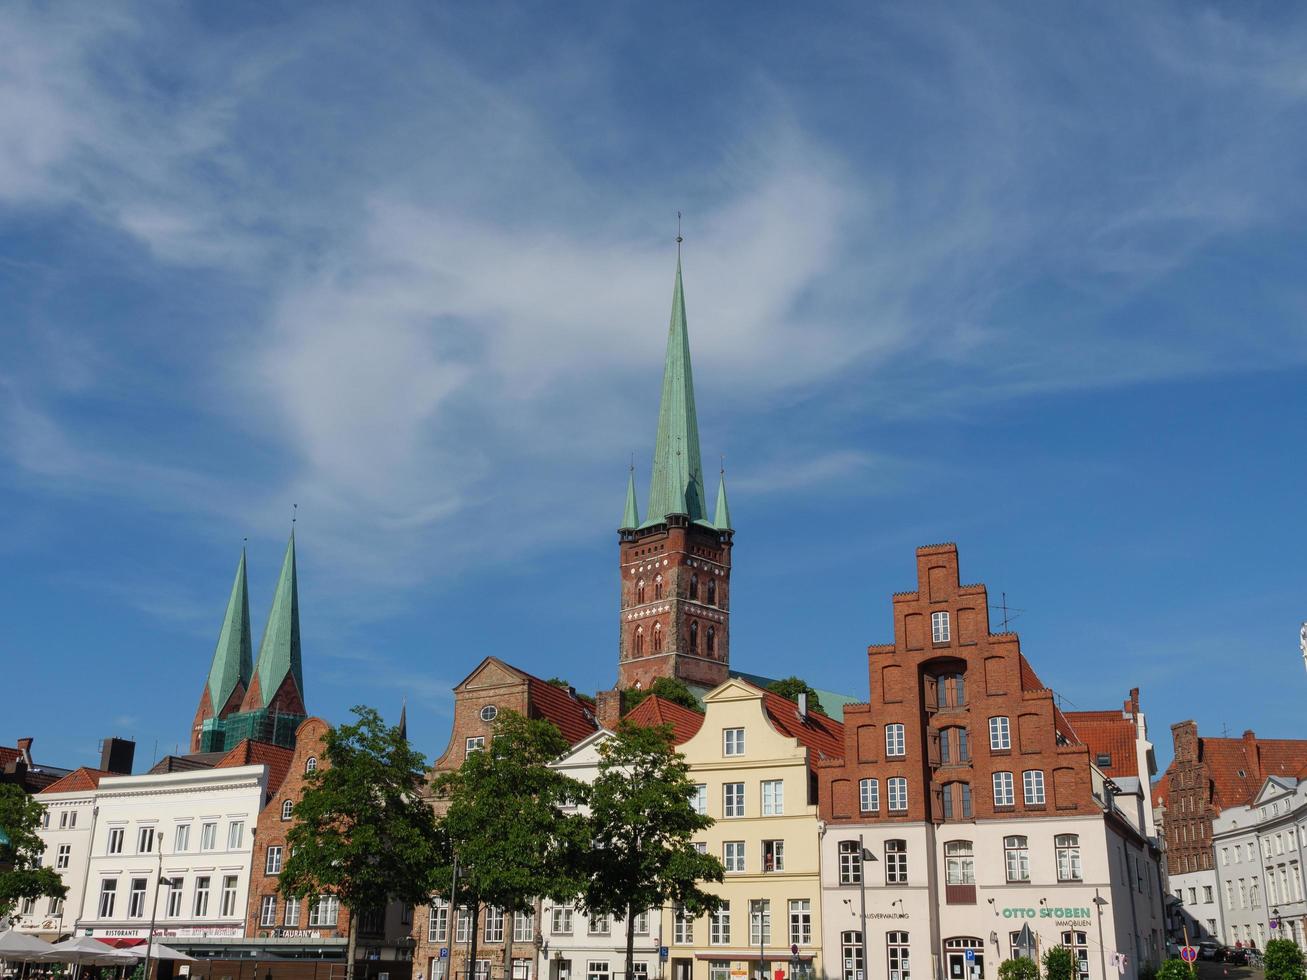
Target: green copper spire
x,y
630,519
676,486
231,659
279,651
723,519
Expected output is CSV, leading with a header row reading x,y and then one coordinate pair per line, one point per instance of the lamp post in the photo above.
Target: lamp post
x,y
864,856
1099,902
159,879
762,939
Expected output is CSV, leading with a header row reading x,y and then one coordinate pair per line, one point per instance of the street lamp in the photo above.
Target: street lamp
x,y
1099,902
864,856
159,879
762,937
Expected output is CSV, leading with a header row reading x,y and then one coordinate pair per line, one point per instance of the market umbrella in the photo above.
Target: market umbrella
x,y
18,947
83,950
162,952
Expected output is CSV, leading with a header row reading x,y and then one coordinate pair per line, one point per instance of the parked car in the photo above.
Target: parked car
x,y
1208,950
1237,955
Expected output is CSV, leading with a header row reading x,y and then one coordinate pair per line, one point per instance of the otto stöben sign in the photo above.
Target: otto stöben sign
x,y
1045,912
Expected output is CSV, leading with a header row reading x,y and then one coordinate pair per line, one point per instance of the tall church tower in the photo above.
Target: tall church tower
x,y
676,564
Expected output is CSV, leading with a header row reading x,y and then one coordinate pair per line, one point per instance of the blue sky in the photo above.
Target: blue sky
x,y
1026,277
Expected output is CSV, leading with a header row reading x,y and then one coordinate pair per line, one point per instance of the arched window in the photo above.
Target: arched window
x,y
286,808
694,587
639,641
711,640
639,591
311,765
712,592
959,863
658,638
1016,854
694,637
658,586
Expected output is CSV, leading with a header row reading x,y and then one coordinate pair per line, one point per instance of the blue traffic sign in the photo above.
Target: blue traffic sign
x,y
662,952
444,952
971,956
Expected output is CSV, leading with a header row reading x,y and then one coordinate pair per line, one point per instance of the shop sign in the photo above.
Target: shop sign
x,y
1046,912
297,933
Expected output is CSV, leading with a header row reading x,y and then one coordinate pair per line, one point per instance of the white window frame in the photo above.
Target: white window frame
x,y
732,741
1032,787
682,927
800,922
1004,789
1000,733
699,800
869,795
291,917
268,910
773,797
560,920
200,906
208,836
181,838
64,857
287,808
896,788
145,837
474,743
940,627
272,862
115,841
230,885
732,799
108,897
438,922
895,744
733,855
494,925
719,926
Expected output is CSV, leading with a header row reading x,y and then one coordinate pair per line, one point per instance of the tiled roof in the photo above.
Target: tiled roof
x,y
822,736
252,753
1255,758
1111,734
84,778
1029,679
654,710
8,755
574,718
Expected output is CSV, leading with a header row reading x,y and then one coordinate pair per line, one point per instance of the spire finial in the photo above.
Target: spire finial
x,y
294,513
722,471
679,239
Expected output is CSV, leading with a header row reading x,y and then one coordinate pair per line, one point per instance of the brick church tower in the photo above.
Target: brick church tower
x,y
676,564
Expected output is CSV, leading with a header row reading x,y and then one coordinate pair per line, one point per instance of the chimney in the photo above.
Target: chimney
x,y
25,750
116,755
803,706
1251,753
608,708
1132,706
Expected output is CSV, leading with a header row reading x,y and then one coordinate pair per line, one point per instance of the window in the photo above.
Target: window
x,y
733,741
898,792
694,587
63,857
200,908
561,920
208,836
475,743
600,925
1000,734
869,795
719,927
489,713
181,838
773,797
851,950
482,970
955,801
959,863
682,927
145,840
658,638
639,592
311,765
1068,857
174,906
894,744
292,916
438,922
235,834
324,911
712,592
56,906
1032,784
939,627
800,922
596,970
952,690
115,840
642,924
136,899
1003,789
108,893
773,855
1078,943
273,864
494,932
287,807
896,947
463,927
1207,893
710,645
268,910
639,641
63,821
733,855
733,799
850,862
658,586
228,895
694,636
1016,857
759,922
896,862
1103,760
524,927
700,798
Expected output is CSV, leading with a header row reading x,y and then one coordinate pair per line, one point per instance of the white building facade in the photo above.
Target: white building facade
x,y
66,830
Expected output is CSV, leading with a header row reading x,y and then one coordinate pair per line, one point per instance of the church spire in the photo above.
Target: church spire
x,y
723,519
631,516
279,650
676,484
232,663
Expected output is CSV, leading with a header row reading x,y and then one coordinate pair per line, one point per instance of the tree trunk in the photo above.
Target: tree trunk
x,y
509,919
351,945
630,941
469,971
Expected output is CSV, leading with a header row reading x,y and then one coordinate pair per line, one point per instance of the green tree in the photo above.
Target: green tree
x,y
1283,960
363,831
792,687
1059,964
1174,969
21,849
1019,968
507,826
667,688
640,852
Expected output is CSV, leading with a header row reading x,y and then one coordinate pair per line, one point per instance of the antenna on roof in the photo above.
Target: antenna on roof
x,y
1009,612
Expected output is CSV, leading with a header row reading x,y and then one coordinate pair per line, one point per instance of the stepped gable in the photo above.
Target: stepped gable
x,y
252,753
84,778
653,711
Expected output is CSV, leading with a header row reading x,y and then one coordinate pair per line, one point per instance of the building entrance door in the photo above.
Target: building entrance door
x,y
965,959
682,969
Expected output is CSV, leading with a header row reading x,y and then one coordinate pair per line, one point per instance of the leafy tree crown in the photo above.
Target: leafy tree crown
x,y
667,688
22,875
792,687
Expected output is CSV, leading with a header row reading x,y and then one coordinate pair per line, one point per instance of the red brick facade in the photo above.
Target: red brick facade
x,y
943,679
675,604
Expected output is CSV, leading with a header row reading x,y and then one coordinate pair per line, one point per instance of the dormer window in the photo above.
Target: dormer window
x,y
1103,760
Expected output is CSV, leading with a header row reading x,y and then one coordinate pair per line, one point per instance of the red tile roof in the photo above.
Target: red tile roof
x,y
1029,679
654,710
8,755
84,778
252,753
1255,758
574,718
1111,734
822,736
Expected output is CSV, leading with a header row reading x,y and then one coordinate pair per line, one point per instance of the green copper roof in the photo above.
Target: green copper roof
x,y
279,651
723,520
231,658
631,518
676,486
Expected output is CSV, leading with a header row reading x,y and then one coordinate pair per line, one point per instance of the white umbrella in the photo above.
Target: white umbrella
x,y
84,950
162,952
18,947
